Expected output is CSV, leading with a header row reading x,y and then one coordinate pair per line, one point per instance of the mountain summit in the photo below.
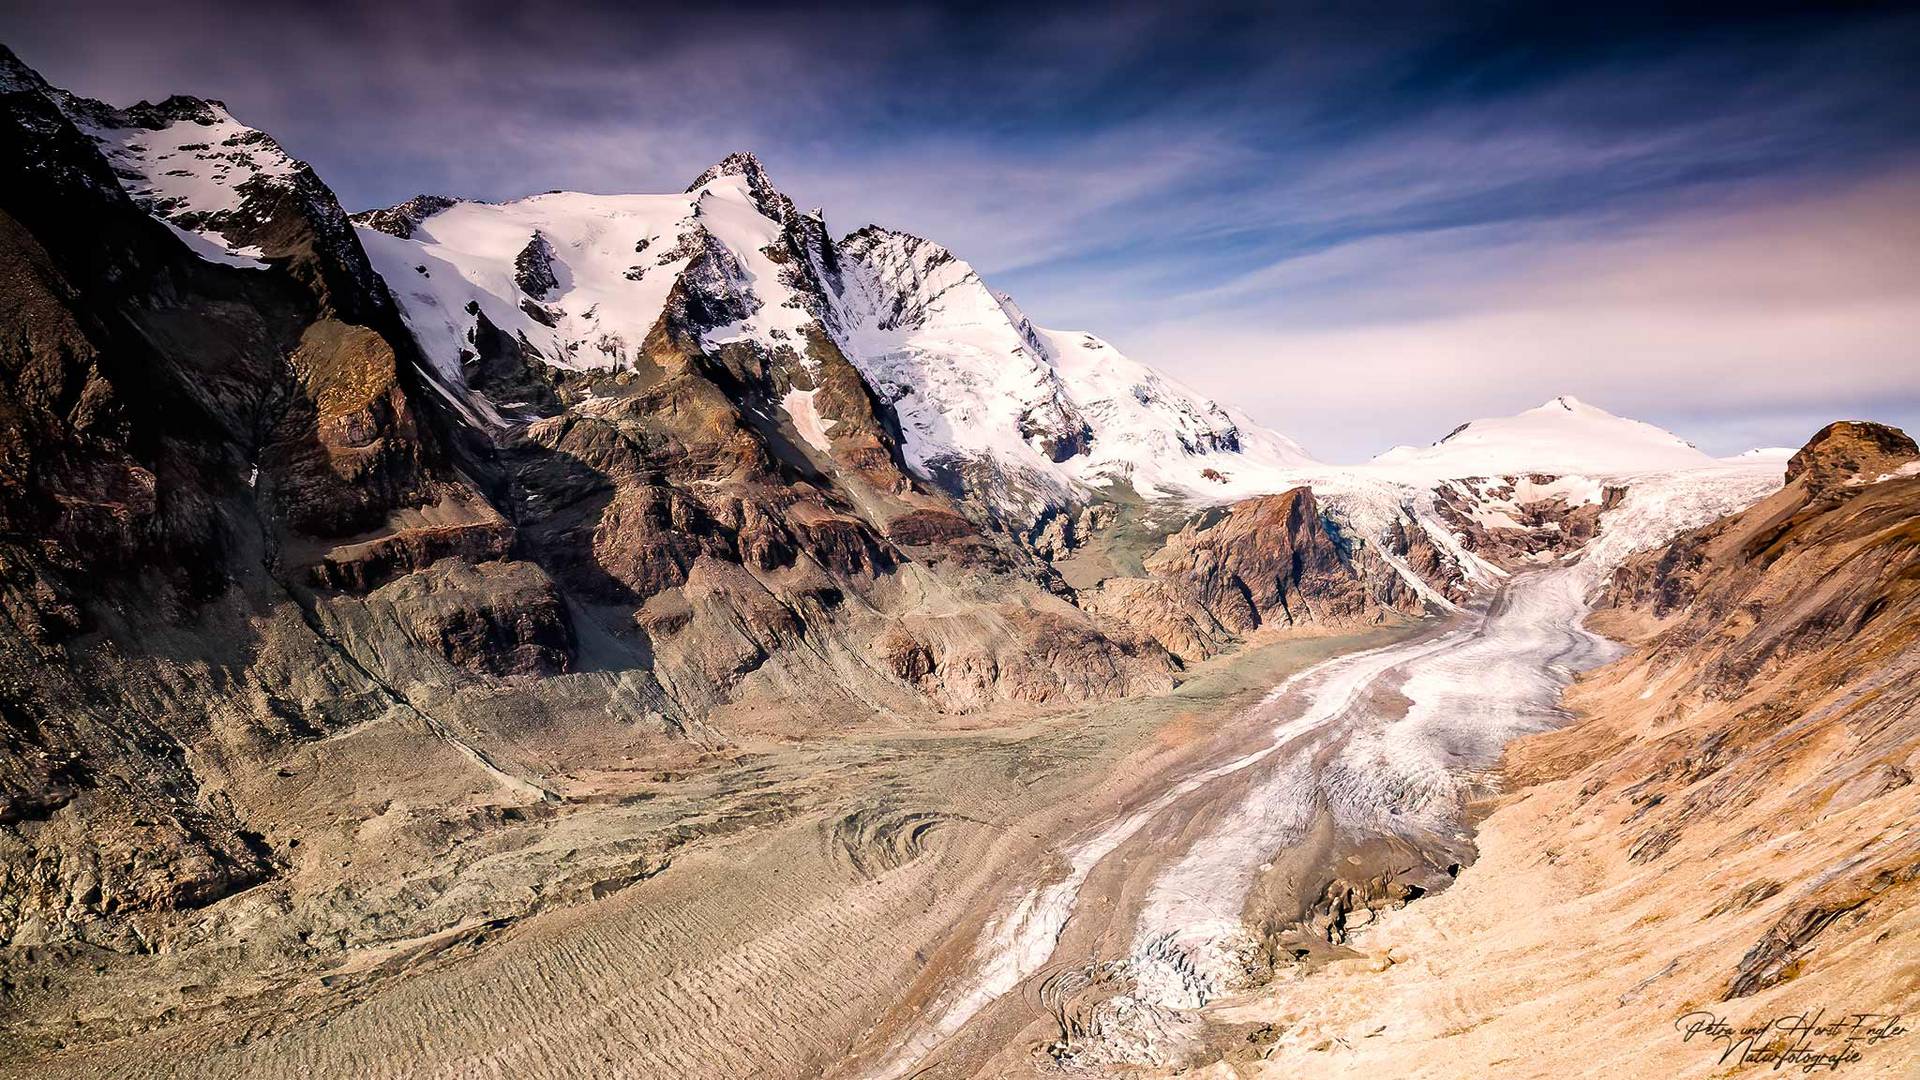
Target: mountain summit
x,y
1019,420
1563,435
742,164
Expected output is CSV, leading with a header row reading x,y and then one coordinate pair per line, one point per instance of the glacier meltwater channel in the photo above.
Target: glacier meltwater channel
x,y
1382,742
1496,674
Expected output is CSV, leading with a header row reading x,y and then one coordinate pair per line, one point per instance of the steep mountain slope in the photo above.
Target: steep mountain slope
x,y
229,192
629,417
1724,837
1265,562
1019,421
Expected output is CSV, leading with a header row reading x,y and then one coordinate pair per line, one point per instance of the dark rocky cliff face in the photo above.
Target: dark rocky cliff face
x,y
1267,562
170,427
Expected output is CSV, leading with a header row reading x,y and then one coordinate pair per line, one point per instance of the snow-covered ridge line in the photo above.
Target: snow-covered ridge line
x,y
1054,416
1021,420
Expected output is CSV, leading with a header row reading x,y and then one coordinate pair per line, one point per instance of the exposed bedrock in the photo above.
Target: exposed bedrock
x,y
1266,562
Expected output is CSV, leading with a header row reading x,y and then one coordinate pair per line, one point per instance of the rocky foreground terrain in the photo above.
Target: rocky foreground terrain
x,y
646,635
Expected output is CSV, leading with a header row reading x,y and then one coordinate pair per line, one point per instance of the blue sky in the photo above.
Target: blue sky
x,y
1361,229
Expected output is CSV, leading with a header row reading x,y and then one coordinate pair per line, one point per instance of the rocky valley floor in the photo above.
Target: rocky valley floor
x,y
762,914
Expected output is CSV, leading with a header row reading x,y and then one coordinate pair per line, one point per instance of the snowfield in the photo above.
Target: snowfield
x,y
465,255
1565,435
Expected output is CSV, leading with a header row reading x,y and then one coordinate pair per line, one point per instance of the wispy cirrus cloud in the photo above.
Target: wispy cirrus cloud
x,y
1365,227
1741,325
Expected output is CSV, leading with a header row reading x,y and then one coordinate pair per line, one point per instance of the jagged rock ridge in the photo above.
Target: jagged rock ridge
x,y
1018,421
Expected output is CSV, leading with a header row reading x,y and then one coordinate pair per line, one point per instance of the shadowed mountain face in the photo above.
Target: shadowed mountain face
x,y
259,555
176,432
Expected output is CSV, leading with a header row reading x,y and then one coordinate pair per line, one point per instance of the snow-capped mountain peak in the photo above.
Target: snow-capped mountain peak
x,y
229,192
191,164
1018,419
1025,417
1562,436
973,377
517,306
747,172
742,164
579,280
1568,403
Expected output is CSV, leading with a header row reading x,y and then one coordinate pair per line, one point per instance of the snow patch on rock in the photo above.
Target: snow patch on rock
x,y
807,420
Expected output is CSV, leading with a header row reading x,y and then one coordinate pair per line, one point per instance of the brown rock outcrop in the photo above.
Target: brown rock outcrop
x,y
1265,562
370,563
1521,530
490,618
1267,559
1847,450
1169,612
